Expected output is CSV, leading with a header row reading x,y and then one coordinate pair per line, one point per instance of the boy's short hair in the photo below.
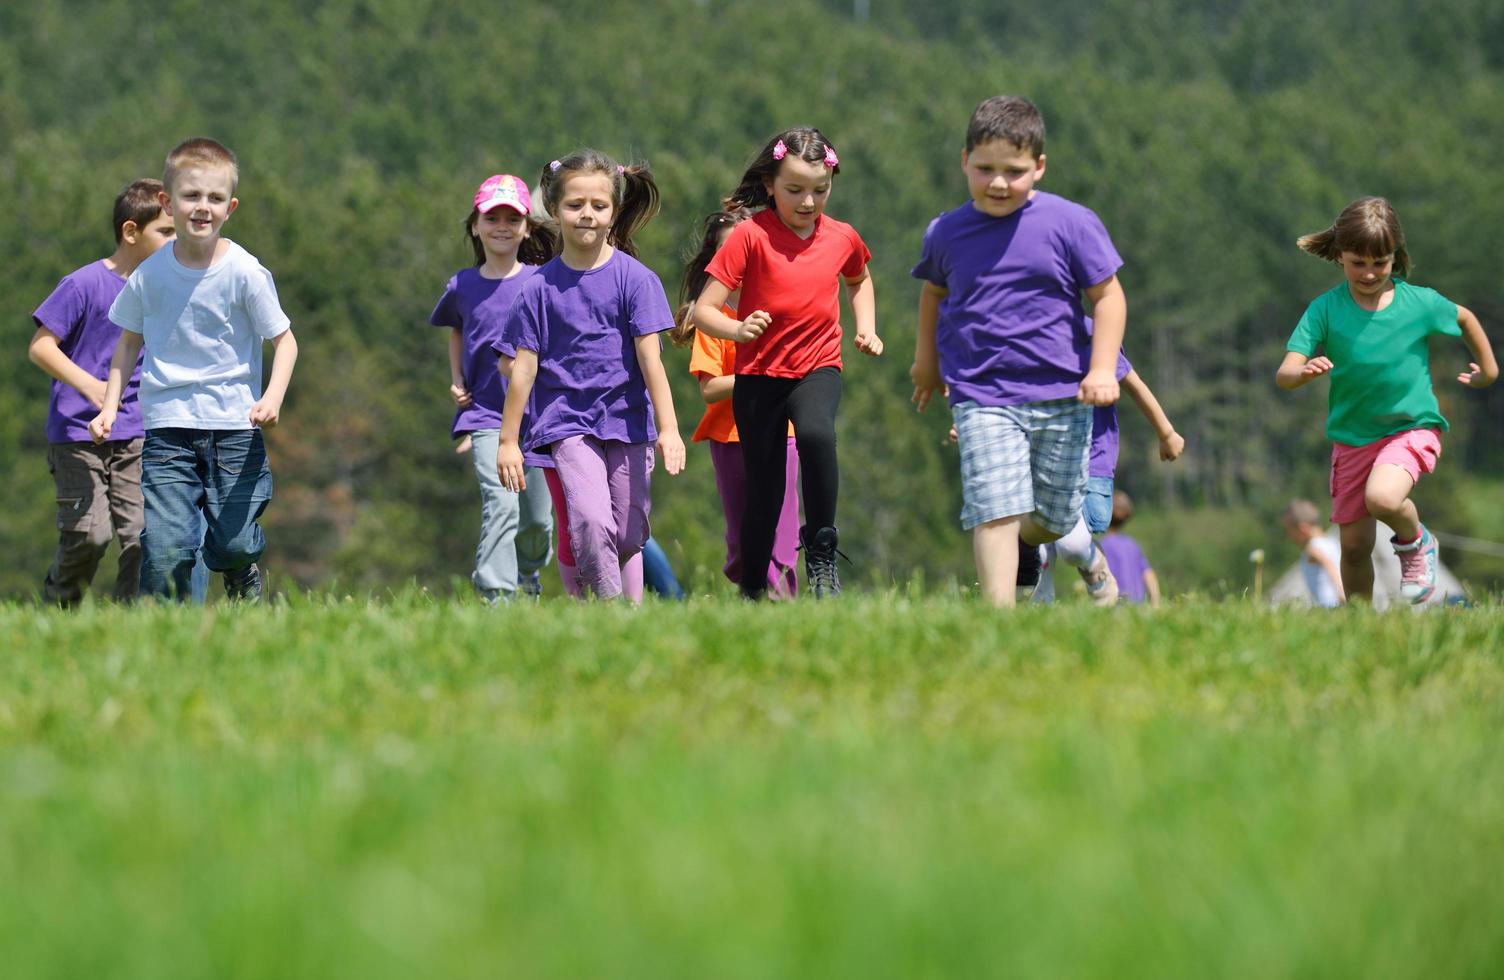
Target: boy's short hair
x,y
1122,507
137,203
1302,511
200,151
1007,117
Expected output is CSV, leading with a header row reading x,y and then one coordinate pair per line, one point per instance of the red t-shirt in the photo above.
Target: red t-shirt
x,y
797,281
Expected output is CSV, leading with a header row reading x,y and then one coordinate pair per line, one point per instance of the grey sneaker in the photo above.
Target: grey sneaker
x,y
1101,587
244,585
1418,561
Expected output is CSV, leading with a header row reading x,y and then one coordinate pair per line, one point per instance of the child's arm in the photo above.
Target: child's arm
x,y
1295,370
457,389
504,365
268,410
1171,444
509,464
1484,371
47,355
1333,572
709,318
1109,313
651,363
925,371
716,388
122,362
864,307
1151,587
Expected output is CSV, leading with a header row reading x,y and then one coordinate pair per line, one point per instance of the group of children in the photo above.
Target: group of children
x,y
559,383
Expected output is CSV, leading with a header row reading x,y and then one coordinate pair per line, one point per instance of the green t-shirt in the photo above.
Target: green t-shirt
x,y
1381,367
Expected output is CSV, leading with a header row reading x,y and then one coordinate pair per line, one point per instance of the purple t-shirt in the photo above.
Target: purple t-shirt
x,y
1127,562
1012,329
78,312
1104,431
582,325
477,307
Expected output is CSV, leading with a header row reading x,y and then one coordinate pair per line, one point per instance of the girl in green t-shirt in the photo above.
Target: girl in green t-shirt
x,y
1372,332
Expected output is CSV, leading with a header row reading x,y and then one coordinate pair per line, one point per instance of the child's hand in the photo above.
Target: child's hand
x,y
869,343
266,413
953,436
1098,388
1474,377
460,395
752,327
100,426
671,448
509,466
96,389
1171,446
1316,367
927,381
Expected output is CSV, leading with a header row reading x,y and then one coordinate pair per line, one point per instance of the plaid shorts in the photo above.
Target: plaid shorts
x,y
1024,459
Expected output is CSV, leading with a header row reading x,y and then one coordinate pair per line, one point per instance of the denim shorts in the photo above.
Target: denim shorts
x,y
1098,507
1023,459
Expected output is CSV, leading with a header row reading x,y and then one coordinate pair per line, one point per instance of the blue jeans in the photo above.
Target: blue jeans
x,y
1097,509
204,490
657,573
516,530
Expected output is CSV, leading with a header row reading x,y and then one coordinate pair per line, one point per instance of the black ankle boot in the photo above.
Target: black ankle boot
x,y
820,561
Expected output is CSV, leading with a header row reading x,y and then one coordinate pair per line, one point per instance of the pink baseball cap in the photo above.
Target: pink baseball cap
x,y
503,190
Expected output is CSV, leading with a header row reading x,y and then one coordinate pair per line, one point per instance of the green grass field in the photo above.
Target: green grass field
x,y
885,786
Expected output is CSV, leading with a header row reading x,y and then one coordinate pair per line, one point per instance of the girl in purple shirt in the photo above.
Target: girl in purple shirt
x,y
587,355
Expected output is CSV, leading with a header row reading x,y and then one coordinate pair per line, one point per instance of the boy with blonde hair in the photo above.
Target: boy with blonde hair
x,y
202,307
98,486
1320,556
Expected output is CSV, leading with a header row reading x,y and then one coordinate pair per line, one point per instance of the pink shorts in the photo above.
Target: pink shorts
x,y
1415,450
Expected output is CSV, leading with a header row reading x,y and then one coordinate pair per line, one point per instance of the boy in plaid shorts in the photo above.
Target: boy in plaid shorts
x,y
1002,328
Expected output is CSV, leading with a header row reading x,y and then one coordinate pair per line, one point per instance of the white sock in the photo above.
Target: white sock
x,y
1076,548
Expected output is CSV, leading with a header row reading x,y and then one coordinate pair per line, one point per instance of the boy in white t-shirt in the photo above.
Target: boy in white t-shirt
x,y
202,307
1320,556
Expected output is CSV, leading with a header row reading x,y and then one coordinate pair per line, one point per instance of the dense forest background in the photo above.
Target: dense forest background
x,y
1208,135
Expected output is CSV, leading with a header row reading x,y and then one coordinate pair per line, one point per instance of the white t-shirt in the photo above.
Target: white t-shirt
x,y
1318,582
202,330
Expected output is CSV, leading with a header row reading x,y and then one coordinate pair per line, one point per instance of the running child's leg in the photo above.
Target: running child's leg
x,y
812,408
731,485
127,515
1357,539
782,580
759,404
994,545
238,487
581,464
569,575
997,491
1387,497
629,472
535,525
495,574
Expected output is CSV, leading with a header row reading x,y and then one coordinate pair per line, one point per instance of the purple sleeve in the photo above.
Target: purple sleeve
x,y
1124,368
62,312
446,313
647,304
1094,260
524,327
929,267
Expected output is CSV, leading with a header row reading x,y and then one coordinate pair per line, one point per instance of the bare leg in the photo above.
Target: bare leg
x,y
995,546
1387,497
1357,559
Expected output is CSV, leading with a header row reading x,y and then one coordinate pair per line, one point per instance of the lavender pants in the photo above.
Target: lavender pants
x,y
606,492
731,481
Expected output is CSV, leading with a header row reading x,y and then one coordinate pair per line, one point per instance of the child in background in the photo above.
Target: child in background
x,y
1370,334
713,363
788,262
516,531
1135,579
587,355
202,307
1319,554
1002,328
98,486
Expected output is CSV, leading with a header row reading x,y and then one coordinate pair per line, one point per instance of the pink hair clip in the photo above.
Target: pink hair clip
x,y
554,166
780,150
831,160
621,169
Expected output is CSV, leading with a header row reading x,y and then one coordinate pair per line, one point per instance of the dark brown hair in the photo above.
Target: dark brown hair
x,y
804,142
634,193
1007,117
696,274
540,245
200,151
1367,227
138,203
1122,508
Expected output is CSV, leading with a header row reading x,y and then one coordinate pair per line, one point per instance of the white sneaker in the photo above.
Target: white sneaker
x,y
1101,587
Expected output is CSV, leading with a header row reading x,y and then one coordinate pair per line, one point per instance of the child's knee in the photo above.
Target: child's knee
x,y
1382,501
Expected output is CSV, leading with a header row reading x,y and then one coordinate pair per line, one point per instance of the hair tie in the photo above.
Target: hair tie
x,y
621,169
831,160
554,166
780,150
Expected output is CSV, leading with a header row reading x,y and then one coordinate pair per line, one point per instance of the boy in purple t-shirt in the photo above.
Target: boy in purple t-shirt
x,y
98,487
1136,580
1002,328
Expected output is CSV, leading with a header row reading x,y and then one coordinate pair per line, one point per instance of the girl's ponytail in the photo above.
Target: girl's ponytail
x,y
805,142
1367,227
541,244
634,192
696,276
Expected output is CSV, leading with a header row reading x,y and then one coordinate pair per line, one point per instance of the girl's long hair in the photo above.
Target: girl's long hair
x,y
540,245
634,193
804,142
696,274
1367,227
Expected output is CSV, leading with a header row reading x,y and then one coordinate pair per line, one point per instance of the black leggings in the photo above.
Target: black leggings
x,y
764,407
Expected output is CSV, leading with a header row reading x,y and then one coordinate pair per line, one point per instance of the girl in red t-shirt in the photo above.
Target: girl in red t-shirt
x,y
713,363
788,262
